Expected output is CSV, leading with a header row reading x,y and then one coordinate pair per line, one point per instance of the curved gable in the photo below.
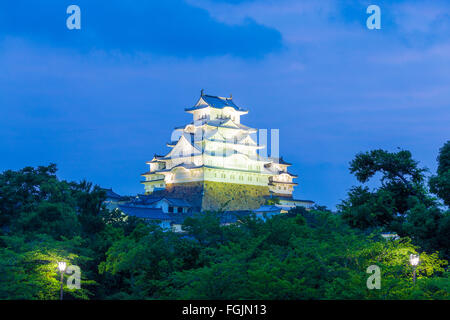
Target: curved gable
x,y
182,148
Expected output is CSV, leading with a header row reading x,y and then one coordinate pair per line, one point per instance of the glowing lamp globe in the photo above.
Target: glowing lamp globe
x,y
414,259
61,266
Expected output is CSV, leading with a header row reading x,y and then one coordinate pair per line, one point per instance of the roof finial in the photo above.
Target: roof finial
x,y
231,96
202,92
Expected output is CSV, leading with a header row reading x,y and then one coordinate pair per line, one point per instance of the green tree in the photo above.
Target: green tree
x,y
29,268
43,220
440,183
304,254
205,227
401,203
322,259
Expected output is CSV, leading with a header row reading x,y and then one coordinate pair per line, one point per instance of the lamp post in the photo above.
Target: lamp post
x,y
62,268
414,261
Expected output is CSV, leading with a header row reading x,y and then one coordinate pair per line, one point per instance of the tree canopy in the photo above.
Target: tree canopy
x,y
304,254
402,203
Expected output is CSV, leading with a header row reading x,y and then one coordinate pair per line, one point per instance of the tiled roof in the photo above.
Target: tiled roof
x,y
268,208
289,199
144,212
144,199
279,161
110,194
153,214
150,199
155,158
285,172
271,183
178,202
183,165
216,102
298,200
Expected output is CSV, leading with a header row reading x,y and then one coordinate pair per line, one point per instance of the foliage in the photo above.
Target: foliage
x,y
272,201
44,220
29,268
284,259
304,254
402,203
440,183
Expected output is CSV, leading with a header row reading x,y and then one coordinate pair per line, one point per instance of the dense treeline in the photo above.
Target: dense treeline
x,y
402,203
313,254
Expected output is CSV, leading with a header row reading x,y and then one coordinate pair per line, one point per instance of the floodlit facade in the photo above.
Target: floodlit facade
x,y
215,160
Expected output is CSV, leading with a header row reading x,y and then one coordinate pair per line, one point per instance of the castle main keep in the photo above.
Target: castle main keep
x,y
215,162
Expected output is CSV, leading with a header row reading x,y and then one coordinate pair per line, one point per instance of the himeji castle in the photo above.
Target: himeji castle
x,y
215,162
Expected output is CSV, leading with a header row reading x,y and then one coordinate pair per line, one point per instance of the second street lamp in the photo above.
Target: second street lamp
x,y
62,268
414,261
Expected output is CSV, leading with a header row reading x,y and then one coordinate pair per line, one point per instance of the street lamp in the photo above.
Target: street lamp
x,y
62,268
414,261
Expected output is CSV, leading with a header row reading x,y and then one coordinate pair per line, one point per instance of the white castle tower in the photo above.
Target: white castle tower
x,y
216,160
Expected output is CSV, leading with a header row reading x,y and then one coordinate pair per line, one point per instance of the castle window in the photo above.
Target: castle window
x,y
170,209
179,210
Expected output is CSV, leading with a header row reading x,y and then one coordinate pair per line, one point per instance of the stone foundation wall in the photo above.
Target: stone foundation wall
x,y
210,195
240,196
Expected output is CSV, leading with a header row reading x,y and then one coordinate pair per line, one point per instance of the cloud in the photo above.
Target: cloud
x,y
298,21
170,27
422,17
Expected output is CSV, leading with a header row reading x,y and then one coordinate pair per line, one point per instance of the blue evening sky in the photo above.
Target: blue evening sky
x,y
102,100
